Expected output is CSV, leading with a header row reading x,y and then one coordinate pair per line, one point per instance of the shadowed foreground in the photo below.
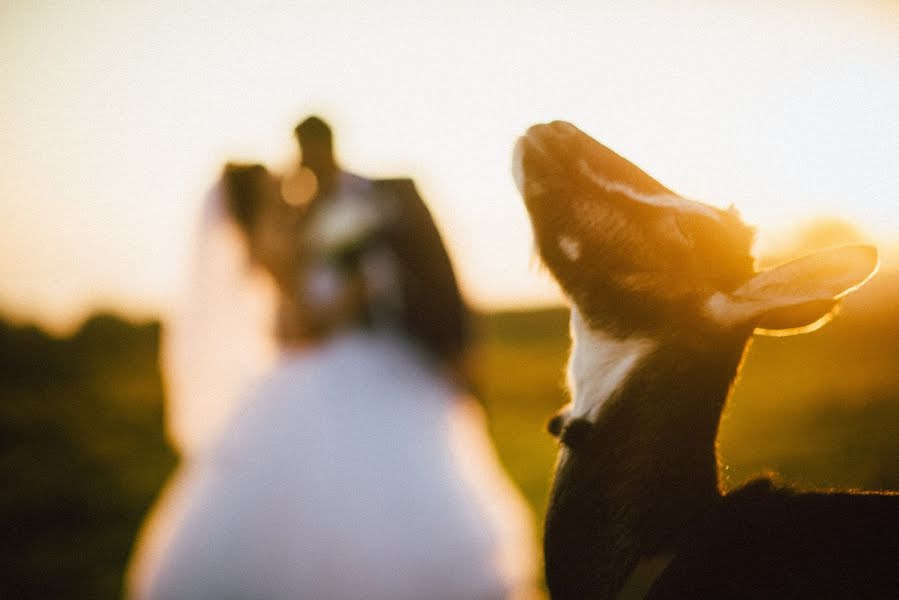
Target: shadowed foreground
x,y
82,454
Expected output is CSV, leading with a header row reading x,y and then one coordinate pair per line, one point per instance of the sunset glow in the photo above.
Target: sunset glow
x,y
116,119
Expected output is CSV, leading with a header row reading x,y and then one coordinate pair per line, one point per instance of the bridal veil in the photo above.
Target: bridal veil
x,y
220,336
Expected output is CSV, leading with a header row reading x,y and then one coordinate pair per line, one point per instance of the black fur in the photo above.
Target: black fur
x,y
769,542
612,501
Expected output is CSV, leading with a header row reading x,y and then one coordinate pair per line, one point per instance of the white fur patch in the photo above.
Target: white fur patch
x,y
599,365
527,187
668,200
570,247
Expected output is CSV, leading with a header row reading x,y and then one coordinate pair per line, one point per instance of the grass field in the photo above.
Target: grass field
x,y
82,453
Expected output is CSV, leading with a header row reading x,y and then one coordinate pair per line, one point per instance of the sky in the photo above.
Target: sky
x,y
115,118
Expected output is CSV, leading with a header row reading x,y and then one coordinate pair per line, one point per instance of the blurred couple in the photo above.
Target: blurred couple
x,y
319,394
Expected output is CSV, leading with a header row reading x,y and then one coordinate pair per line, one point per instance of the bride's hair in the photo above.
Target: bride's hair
x,y
245,193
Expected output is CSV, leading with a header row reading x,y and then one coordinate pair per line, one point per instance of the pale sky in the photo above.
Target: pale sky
x,y
115,118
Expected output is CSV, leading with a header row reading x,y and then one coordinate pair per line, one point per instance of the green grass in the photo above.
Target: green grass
x,y
81,456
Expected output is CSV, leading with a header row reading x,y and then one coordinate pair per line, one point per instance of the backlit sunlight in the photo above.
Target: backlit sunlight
x,y
117,118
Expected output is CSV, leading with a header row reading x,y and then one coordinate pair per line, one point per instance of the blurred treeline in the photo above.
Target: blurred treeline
x,y
82,453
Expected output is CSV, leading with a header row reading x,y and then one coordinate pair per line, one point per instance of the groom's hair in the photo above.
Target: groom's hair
x,y
313,129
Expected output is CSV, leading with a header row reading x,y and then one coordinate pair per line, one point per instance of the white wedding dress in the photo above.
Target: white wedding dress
x,y
350,470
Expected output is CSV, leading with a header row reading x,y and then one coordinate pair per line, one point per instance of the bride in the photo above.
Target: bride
x,y
338,461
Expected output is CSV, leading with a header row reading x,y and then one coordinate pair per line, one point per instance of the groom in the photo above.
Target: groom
x,y
401,258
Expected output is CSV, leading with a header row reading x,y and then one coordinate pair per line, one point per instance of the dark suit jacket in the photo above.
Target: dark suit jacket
x,y
432,312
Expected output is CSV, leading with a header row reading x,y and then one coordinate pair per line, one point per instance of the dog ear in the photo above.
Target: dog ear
x,y
798,296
